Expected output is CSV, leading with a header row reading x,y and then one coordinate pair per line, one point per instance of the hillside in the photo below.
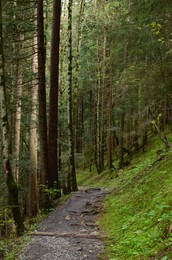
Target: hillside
x,y
137,217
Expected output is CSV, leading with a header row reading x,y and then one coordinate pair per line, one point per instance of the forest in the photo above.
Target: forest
x,y
84,85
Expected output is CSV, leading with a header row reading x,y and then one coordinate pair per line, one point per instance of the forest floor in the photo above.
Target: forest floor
x,y
71,231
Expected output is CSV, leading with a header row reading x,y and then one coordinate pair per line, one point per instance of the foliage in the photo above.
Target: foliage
x,y
51,193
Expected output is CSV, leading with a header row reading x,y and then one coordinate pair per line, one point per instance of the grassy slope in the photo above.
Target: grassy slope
x,y
138,215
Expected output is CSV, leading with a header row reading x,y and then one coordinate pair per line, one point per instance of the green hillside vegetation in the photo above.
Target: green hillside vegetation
x,y
137,217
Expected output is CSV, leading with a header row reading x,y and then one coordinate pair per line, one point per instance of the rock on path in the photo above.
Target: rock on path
x,y
70,232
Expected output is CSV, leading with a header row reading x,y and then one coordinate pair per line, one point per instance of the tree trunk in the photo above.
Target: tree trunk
x,y
98,143
19,44
16,145
76,125
95,134
109,130
99,113
62,124
92,130
53,97
121,140
72,173
32,194
43,157
137,119
11,184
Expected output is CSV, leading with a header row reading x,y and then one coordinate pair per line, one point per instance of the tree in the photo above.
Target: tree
x,y
11,184
32,191
110,143
19,90
43,158
53,98
72,183
77,102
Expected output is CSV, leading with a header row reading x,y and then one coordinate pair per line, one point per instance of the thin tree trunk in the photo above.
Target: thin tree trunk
x,y
43,157
137,120
32,194
76,76
19,91
109,131
16,146
72,173
121,140
99,114
98,129
92,124
61,125
107,83
82,127
95,134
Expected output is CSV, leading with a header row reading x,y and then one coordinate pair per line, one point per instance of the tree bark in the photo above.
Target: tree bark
x,y
11,184
43,157
32,193
121,140
53,98
72,172
76,104
18,95
99,118
19,91
109,131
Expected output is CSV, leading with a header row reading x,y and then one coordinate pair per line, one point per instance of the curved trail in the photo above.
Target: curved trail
x,y
71,231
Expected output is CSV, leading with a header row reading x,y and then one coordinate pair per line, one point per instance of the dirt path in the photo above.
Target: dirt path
x,y
71,231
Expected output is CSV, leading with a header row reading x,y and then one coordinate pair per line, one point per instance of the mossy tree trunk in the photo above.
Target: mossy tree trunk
x,y
11,184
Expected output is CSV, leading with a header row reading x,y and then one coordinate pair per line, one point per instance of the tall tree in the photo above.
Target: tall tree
x,y
19,90
53,98
11,184
72,173
110,120
43,158
77,125
32,191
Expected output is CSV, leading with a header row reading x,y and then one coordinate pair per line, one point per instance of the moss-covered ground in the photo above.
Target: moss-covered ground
x,y
138,212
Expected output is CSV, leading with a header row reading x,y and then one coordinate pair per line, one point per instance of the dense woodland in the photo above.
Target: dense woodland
x,y
82,85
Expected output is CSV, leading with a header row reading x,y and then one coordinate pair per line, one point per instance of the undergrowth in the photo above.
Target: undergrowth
x,y
11,247
138,213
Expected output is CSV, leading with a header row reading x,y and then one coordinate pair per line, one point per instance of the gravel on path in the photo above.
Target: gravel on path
x,y
71,231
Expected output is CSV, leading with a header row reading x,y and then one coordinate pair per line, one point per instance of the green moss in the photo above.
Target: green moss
x,y
138,213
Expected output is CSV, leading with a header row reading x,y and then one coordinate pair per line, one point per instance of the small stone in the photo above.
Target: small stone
x,y
67,217
83,230
94,233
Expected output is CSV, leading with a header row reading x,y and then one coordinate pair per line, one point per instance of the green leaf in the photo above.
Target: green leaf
x,y
164,258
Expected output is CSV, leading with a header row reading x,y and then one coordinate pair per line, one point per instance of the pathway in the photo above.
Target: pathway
x,y
71,231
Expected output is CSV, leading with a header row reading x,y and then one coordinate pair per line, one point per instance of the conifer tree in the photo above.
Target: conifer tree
x,y
53,98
